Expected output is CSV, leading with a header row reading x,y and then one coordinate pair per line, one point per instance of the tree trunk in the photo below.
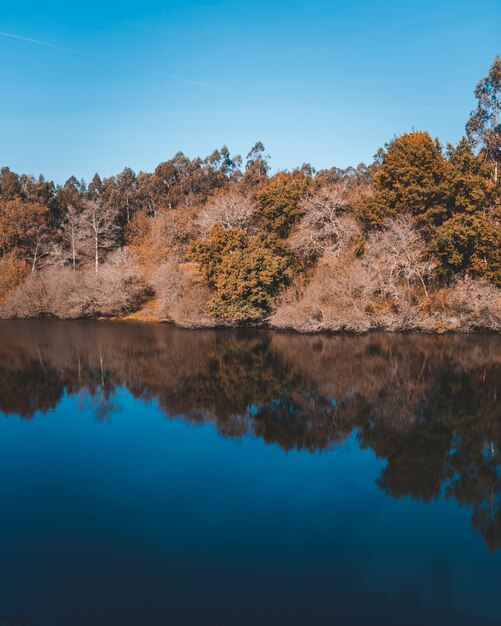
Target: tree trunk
x,y
96,240
35,256
73,250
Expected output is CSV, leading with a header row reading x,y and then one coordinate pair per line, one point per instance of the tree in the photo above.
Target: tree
x,y
243,272
256,166
248,280
100,229
229,208
10,186
73,192
470,242
279,201
181,181
411,179
398,259
22,226
95,188
469,181
484,125
40,245
209,253
326,228
71,233
223,166
12,272
126,191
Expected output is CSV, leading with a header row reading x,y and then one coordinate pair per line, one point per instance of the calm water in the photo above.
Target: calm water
x,y
153,476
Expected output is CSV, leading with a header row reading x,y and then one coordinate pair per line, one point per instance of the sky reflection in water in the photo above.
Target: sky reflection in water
x,y
157,476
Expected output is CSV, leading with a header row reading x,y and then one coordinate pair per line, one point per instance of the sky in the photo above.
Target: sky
x,y
96,86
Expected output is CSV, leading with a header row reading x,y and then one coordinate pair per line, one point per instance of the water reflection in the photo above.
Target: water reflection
x,y
430,406
14,620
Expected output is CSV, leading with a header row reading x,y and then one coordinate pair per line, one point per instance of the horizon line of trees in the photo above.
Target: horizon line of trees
x,y
412,240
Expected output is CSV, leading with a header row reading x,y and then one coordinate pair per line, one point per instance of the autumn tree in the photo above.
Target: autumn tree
x,y
12,272
10,185
469,239
411,179
279,201
23,228
469,183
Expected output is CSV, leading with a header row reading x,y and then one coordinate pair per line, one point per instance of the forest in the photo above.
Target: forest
x,y
411,241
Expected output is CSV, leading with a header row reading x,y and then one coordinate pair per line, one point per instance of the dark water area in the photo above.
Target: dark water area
x,y
155,476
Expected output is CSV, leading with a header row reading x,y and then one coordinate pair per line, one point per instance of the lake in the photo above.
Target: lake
x,y
157,476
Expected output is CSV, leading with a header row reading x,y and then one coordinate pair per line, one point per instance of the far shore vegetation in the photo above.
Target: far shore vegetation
x,y
411,241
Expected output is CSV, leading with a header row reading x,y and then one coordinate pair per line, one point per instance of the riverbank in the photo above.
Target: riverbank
x,y
472,316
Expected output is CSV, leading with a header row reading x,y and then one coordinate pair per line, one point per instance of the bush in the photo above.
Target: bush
x,y
337,297
61,292
181,294
469,304
243,272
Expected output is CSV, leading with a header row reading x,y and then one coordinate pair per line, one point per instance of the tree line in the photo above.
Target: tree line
x,y
411,241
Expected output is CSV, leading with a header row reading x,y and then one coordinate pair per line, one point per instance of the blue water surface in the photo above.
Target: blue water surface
x,y
146,517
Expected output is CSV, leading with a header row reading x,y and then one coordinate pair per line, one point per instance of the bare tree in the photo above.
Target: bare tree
x,y
167,281
40,246
325,229
72,237
378,289
398,257
181,294
100,229
231,209
339,296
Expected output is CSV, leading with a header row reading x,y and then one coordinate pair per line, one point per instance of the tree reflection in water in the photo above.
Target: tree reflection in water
x,y
429,405
14,620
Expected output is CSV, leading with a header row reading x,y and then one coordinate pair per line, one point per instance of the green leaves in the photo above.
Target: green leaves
x,y
469,243
244,272
484,125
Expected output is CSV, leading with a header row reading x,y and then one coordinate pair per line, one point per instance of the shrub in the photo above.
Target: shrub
x,y
243,272
62,292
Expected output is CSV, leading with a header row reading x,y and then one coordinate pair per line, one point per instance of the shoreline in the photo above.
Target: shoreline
x,y
135,319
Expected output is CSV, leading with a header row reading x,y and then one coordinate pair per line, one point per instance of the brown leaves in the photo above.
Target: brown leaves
x,y
19,224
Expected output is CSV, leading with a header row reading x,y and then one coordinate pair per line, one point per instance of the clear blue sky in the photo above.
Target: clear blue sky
x,y
320,82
